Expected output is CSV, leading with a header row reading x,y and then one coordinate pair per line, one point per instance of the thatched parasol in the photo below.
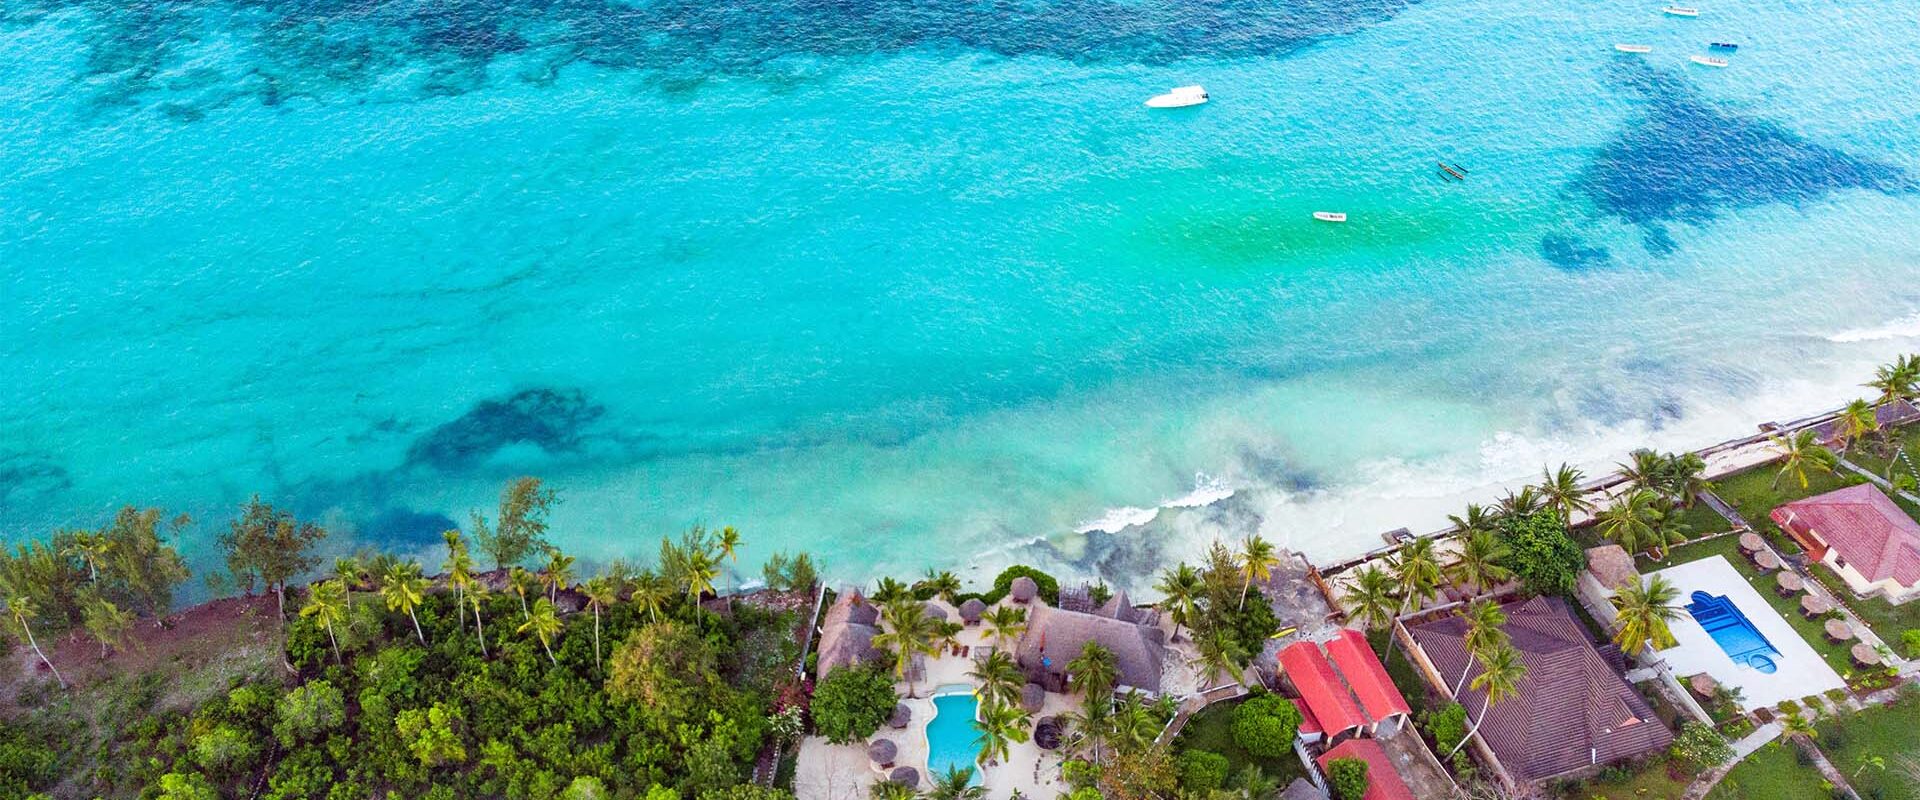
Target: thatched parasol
x,y
1047,734
1703,684
901,716
1033,698
934,611
1838,630
1765,559
1865,655
905,776
882,752
1789,582
972,610
1024,589
1815,605
1751,542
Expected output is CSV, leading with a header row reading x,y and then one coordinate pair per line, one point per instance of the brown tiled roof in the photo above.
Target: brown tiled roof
x,y
1055,637
1865,527
1612,566
1571,709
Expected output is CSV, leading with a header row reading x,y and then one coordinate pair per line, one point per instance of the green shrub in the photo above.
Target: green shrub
x,y
1265,726
1910,639
1080,773
1541,553
1448,726
1348,778
1701,746
852,703
308,712
1202,771
1003,583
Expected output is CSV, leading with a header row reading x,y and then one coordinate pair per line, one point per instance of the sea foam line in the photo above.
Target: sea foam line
x,y
1207,490
1905,327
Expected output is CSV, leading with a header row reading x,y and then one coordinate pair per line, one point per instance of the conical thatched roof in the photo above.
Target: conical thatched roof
x,y
1024,590
901,716
905,776
882,751
1047,733
934,611
1033,698
972,610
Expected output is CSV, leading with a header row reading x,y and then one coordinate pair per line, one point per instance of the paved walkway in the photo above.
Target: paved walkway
x,y
1877,480
1732,516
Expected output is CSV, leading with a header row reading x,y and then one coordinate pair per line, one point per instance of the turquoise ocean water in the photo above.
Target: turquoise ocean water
x,y
924,284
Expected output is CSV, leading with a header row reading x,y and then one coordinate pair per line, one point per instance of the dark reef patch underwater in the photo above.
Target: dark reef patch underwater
x,y
1686,158
170,53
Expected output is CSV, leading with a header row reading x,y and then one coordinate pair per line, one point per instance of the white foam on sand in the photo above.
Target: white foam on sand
x,y
1207,490
1904,328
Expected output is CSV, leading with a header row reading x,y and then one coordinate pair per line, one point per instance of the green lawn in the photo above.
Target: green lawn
x,y
1702,520
1772,771
1651,781
1212,729
1405,677
1887,733
1754,494
1875,456
1886,619
1729,546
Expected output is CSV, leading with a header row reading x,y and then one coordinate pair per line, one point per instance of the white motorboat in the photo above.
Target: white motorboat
x,y
1179,97
1680,11
1708,61
1634,48
1330,216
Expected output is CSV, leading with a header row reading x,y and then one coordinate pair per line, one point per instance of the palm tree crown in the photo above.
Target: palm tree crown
x,y
1644,611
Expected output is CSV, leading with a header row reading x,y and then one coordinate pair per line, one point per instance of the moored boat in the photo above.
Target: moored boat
x,y
1330,216
1634,48
1179,97
1723,45
1681,11
1708,61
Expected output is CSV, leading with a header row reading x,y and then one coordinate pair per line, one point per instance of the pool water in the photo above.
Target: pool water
x,y
1733,631
952,741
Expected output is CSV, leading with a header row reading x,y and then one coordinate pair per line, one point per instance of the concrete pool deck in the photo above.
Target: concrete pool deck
x,y
1801,670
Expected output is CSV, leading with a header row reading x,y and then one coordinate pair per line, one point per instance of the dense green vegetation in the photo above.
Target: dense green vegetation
x,y
1211,731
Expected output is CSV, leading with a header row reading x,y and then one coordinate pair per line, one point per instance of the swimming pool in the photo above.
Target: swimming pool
x,y
952,742
1733,631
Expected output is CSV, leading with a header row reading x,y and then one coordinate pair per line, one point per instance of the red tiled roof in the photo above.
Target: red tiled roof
x,y
1569,711
1322,690
1308,722
1363,671
1865,526
1383,781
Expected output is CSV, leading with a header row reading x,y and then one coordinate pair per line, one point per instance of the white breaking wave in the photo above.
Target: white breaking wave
x,y
1904,328
1207,490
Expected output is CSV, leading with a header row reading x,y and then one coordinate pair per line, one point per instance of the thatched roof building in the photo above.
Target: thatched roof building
x,y
1055,637
972,610
846,635
1023,590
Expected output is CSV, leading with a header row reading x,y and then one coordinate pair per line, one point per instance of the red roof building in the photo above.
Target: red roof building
x,y
1310,729
1379,698
1320,688
1868,539
1383,781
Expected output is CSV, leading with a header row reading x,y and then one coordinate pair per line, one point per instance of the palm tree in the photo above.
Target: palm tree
x,y
558,574
1180,588
1133,726
1481,561
107,623
1500,675
350,570
23,611
404,590
1630,521
1005,624
521,582
1644,611
1220,653
1000,679
909,633
729,545
650,593
1856,420
1486,630
946,635
1647,471
459,568
1257,560
1561,490
1254,783
477,594
90,547
544,622
889,590
956,784
1000,728
700,571
944,585
1416,573
1799,455
1370,596
888,790
1898,379
601,591
1521,504
1093,725
1686,478
1094,672
1477,518
327,603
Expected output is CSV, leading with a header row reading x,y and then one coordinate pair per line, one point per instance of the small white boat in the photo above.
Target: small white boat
x,y
1179,97
1708,61
1330,216
1634,48
1680,11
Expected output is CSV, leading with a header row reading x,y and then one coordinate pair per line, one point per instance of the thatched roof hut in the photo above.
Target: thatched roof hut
x,y
883,752
972,610
1612,566
1024,590
933,610
905,776
1033,697
1703,684
844,639
1047,734
1055,637
901,716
